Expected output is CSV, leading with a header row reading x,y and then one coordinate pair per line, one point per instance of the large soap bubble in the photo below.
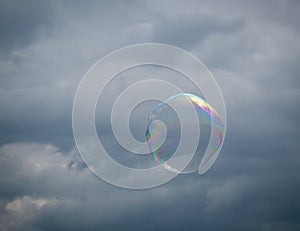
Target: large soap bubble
x,y
163,132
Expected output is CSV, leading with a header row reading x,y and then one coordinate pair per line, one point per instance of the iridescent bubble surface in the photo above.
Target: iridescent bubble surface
x,y
163,140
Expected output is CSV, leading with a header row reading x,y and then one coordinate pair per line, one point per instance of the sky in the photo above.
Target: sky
x,y
251,47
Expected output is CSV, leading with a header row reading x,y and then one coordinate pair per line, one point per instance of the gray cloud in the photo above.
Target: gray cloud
x,y
21,23
251,48
188,31
57,195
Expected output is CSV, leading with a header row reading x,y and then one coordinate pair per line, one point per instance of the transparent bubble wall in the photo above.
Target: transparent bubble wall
x,y
162,146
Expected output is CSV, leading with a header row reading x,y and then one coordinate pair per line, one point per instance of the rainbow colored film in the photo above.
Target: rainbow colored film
x,y
162,143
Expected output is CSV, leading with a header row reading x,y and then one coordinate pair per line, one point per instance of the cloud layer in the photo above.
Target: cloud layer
x,y
252,49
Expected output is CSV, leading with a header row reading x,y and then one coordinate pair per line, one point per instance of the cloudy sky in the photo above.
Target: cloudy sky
x,y
251,47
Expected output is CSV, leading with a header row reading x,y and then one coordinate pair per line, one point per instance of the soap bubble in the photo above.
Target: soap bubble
x,y
163,132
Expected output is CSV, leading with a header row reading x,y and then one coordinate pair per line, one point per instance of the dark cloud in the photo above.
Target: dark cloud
x,y
57,196
187,31
251,48
21,23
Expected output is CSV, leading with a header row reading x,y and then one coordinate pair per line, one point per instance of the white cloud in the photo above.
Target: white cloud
x,y
22,205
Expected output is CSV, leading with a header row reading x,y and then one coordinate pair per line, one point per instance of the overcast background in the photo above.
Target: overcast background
x,y
251,47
